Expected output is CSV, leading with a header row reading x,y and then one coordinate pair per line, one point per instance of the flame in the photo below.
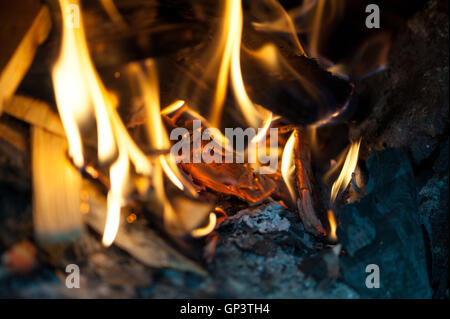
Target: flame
x,y
348,168
78,89
155,129
284,22
203,231
315,34
333,226
79,92
258,137
119,176
170,173
114,13
230,66
288,165
175,106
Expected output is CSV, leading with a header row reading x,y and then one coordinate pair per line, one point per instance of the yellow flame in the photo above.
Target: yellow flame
x,y
175,106
286,23
170,173
155,128
80,92
258,137
230,65
348,168
115,200
333,226
288,165
315,35
203,231
78,89
267,54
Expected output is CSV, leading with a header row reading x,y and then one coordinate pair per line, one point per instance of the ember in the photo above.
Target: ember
x,y
240,141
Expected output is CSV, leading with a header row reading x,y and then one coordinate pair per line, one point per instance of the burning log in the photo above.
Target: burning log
x,y
308,201
56,189
296,86
25,25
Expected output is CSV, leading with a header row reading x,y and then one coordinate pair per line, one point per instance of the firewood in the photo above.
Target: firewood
x,y
56,189
140,242
25,25
13,137
308,202
298,88
295,87
34,112
40,114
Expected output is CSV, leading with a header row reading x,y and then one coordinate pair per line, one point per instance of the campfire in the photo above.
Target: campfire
x,y
172,134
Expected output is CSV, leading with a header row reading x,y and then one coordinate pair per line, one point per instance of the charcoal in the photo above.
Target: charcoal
x,y
389,233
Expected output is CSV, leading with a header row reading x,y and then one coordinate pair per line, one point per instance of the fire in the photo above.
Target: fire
x,y
79,93
146,77
156,131
348,168
230,65
288,165
118,175
172,107
203,231
283,23
258,137
333,226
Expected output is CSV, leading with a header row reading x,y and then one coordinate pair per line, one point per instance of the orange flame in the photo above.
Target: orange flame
x,y
333,226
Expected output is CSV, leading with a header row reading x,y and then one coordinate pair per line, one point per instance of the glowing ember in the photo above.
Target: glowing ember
x,y
131,218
